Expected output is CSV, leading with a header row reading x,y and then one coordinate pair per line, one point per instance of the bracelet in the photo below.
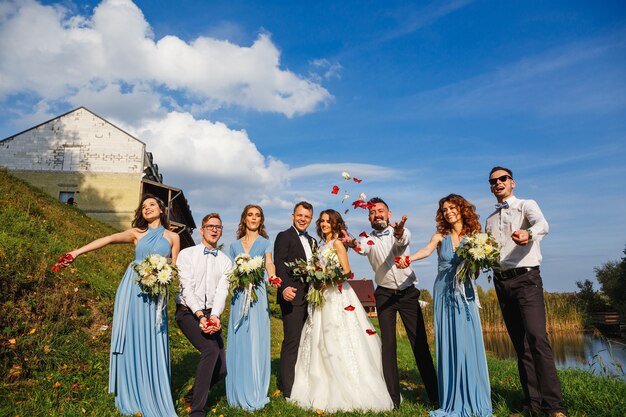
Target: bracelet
x,y
201,316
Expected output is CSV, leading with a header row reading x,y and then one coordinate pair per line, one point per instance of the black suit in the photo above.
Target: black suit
x,y
287,248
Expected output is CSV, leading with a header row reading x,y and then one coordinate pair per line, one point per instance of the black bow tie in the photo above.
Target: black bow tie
x,y
305,234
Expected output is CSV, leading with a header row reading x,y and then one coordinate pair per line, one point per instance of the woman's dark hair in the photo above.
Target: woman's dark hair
x,y
141,223
467,211
241,230
336,222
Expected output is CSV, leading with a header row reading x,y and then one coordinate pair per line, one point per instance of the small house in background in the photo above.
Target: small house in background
x,y
86,161
364,289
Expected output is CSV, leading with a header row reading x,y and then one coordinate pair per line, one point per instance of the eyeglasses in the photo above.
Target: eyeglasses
x,y
503,178
213,226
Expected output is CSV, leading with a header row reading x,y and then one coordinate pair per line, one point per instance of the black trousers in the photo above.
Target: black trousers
x,y
212,366
388,304
524,313
294,317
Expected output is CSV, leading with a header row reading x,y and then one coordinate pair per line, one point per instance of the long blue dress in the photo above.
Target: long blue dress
x,y
248,341
139,367
464,389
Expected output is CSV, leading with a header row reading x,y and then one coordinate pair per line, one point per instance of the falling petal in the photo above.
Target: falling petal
x,y
346,212
371,297
357,203
357,249
363,234
370,242
351,275
371,332
340,288
356,180
345,197
349,308
362,196
345,175
335,190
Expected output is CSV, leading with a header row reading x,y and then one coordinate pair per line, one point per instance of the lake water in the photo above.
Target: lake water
x,y
584,350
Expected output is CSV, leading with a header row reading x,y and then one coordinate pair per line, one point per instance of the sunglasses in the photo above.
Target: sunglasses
x,y
503,178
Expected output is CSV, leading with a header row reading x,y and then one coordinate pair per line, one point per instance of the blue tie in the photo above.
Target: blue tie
x,y
211,251
504,205
379,234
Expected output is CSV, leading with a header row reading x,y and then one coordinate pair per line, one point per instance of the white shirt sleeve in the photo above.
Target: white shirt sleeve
x,y
187,281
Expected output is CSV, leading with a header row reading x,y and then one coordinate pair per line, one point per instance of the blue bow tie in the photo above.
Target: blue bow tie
x,y
305,234
504,205
379,234
211,251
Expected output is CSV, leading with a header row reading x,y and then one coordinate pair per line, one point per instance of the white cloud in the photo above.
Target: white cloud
x,y
48,51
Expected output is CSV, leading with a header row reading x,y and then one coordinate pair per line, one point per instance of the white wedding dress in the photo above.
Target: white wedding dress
x,y
339,364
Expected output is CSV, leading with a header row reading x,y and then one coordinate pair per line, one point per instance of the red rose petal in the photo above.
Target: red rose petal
x,y
370,242
396,259
56,268
371,332
357,203
340,288
356,180
370,205
371,297
357,249
363,234
335,190
351,275
349,308
407,259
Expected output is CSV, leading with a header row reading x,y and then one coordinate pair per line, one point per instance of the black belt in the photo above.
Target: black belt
x,y
181,307
514,273
397,291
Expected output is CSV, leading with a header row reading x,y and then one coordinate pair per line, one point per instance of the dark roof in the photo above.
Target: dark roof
x,y
364,289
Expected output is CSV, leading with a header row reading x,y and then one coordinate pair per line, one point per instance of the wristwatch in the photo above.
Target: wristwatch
x,y
530,234
202,316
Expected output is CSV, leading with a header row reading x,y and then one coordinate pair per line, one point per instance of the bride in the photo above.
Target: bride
x,y
339,361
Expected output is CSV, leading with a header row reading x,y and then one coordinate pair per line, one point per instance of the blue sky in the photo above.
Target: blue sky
x,y
268,102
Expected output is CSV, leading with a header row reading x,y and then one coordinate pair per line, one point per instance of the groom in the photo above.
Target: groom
x,y
291,244
395,293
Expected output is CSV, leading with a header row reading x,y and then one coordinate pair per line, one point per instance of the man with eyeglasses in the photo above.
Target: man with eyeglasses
x,y
518,226
203,278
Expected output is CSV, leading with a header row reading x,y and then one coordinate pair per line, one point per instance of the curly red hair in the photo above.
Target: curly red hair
x,y
467,211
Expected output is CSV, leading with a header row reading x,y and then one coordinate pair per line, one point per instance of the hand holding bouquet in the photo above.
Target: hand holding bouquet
x,y
480,251
63,262
155,274
320,271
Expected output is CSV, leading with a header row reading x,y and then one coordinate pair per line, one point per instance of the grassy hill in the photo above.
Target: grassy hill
x,y
55,327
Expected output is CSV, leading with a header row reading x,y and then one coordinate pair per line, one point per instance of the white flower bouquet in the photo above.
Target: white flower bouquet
x,y
246,274
479,252
320,271
154,274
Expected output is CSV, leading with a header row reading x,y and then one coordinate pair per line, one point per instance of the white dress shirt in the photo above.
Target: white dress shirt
x,y
521,215
203,279
381,255
306,245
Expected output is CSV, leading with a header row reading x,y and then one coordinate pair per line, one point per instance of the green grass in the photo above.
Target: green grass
x,y
55,329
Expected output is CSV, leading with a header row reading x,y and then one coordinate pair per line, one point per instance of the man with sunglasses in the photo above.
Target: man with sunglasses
x,y
518,226
203,278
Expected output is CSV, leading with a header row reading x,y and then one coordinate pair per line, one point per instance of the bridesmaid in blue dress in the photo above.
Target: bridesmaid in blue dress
x,y
464,389
248,338
139,368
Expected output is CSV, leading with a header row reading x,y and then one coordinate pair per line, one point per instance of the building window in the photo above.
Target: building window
x,y
68,197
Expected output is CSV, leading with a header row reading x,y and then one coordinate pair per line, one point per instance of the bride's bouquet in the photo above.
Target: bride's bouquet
x,y
154,274
246,274
480,251
321,271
